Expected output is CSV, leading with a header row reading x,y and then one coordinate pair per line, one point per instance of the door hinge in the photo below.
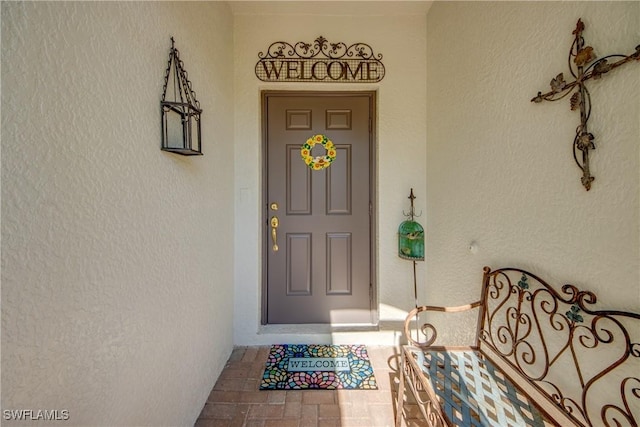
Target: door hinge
x,y
370,294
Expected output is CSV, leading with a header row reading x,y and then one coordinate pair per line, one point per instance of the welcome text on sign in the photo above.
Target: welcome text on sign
x,y
319,70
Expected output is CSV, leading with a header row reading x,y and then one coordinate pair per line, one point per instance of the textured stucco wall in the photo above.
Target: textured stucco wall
x,y
400,145
500,170
117,267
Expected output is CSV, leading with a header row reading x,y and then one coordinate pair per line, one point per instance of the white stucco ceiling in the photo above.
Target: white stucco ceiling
x,y
330,7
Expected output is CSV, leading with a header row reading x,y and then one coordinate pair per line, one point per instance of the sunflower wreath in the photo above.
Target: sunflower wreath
x,y
318,162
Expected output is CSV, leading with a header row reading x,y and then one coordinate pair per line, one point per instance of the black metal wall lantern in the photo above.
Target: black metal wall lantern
x,y
181,130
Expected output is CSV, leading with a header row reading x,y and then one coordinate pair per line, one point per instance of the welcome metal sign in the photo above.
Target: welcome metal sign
x,y
320,62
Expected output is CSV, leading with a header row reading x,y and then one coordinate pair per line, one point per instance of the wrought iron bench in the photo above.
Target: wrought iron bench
x,y
540,358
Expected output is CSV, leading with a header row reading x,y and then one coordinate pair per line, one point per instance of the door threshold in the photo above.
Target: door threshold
x,y
367,334
316,328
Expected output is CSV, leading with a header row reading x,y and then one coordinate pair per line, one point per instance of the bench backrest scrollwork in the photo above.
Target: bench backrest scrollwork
x,y
586,362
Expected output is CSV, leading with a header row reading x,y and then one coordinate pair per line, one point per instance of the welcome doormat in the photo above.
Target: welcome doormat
x,y
328,367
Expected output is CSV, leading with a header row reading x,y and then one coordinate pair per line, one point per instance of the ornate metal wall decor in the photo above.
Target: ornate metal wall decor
x,y
181,131
320,61
583,68
411,243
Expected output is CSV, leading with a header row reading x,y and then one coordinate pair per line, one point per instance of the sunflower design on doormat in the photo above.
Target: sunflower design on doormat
x,y
318,162
359,375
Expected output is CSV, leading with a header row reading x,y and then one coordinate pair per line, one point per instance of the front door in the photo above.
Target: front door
x,y
318,219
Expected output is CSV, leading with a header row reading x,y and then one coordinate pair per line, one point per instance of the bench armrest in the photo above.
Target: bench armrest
x,y
428,330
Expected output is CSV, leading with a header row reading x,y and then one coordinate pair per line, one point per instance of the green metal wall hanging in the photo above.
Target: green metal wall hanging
x,y
411,241
181,130
583,68
411,236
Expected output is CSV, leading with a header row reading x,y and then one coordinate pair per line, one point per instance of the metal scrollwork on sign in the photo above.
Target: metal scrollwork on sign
x,y
583,67
320,61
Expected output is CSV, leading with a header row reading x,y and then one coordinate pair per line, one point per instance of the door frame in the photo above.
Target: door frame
x,y
373,207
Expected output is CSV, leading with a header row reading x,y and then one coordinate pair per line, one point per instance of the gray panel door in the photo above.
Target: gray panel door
x,y
320,271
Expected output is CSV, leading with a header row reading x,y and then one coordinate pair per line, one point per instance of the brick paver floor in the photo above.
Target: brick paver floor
x,y
236,401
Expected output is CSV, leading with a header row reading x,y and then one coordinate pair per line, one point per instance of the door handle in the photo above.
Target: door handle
x,y
274,233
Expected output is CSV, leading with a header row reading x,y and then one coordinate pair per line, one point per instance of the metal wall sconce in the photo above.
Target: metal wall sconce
x,y
181,130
